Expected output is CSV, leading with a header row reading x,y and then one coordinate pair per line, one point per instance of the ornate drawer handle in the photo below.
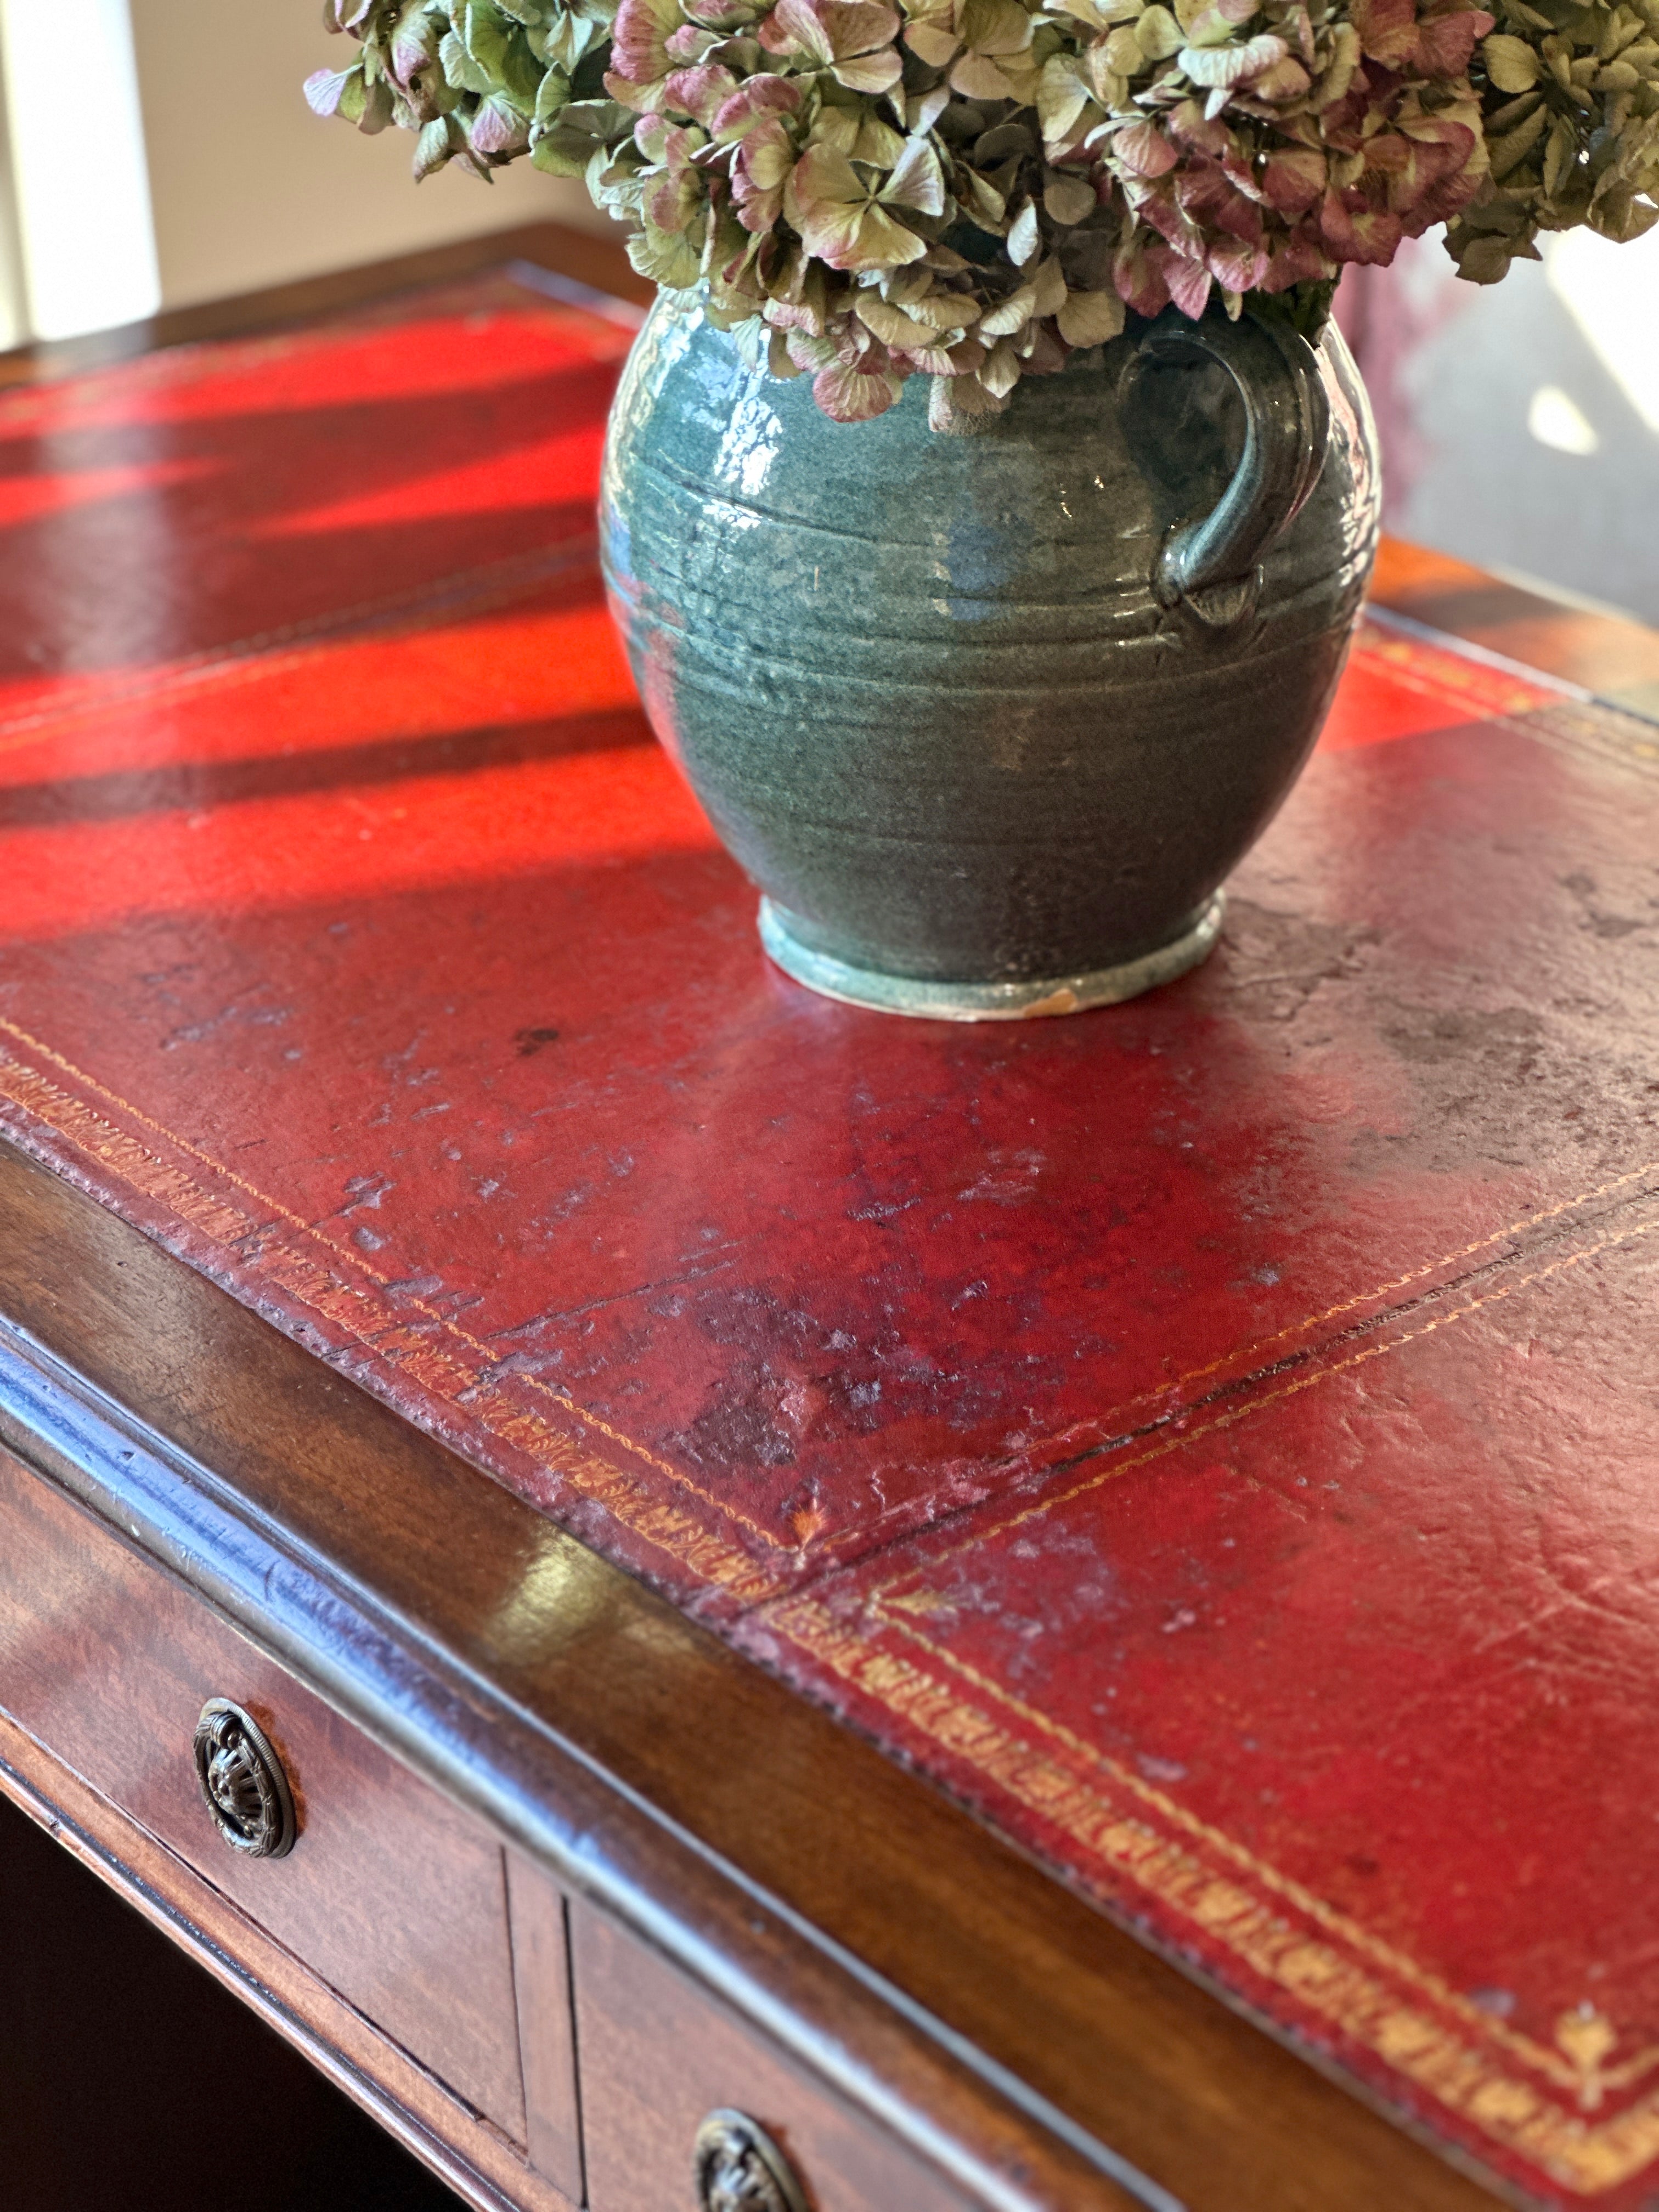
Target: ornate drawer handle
x,y
243,1782
739,2168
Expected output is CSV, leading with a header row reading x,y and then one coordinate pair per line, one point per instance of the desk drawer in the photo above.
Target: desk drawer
x,y
391,1894
660,2055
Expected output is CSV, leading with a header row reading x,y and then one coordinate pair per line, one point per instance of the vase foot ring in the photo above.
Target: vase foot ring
x,y
988,1002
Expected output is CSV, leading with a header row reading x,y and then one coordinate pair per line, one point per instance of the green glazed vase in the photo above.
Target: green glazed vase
x,y
990,717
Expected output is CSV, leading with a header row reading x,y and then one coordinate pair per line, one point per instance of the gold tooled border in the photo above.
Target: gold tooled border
x,y
1586,2156
1551,713
262,1245
1120,1464
1354,1997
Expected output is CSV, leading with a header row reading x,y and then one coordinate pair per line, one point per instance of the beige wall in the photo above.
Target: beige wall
x,y
251,189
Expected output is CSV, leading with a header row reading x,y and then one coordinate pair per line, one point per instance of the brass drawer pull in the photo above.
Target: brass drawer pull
x,y
739,2168
243,1782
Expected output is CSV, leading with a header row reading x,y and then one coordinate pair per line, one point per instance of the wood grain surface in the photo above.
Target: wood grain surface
x,y
393,1895
547,2042
660,2055
474,2159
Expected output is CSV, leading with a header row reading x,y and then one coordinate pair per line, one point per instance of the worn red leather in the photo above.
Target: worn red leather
x,y
1217,1437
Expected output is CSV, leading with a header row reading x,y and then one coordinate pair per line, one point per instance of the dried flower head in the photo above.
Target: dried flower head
x,y
972,190
1570,106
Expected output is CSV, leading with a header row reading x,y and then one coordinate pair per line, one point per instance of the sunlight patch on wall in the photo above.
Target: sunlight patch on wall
x,y
1557,421
1612,293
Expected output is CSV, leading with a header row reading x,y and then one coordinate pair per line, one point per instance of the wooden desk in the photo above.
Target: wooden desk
x,y
571,1872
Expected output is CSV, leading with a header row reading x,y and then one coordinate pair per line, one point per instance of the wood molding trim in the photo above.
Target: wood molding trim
x,y
346,2048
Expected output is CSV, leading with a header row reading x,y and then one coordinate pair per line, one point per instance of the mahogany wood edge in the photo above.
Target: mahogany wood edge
x,y
1528,628
408,1707
110,1846
540,1792
1245,2123
1387,615
587,256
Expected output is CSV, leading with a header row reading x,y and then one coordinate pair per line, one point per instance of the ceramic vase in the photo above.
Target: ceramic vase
x,y
989,718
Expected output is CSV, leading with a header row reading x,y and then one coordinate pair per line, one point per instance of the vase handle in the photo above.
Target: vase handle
x,y
1209,567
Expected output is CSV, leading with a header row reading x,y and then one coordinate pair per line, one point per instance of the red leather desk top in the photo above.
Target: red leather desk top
x,y
1217,1439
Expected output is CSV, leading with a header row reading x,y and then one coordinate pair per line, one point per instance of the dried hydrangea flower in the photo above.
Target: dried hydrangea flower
x,y
1570,103
972,190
